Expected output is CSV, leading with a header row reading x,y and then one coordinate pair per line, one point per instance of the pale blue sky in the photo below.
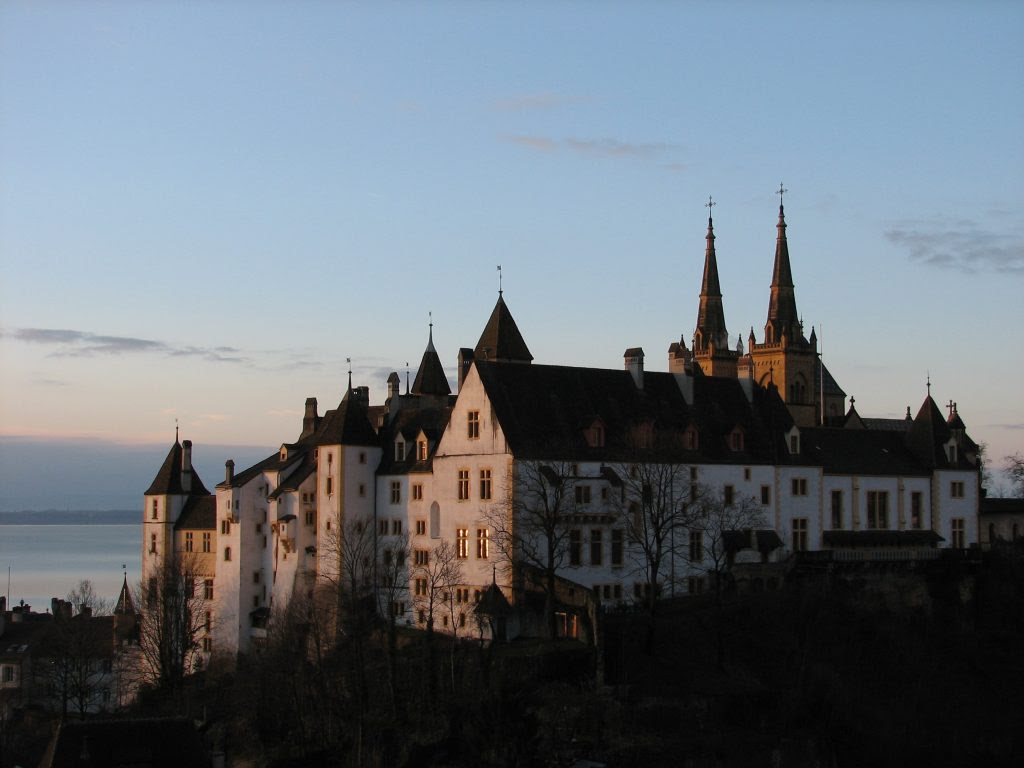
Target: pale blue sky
x,y
217,203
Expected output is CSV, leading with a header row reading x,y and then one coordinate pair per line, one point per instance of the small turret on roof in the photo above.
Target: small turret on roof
x,y
783,319
431,378
177,476
501,339
710,312
348,424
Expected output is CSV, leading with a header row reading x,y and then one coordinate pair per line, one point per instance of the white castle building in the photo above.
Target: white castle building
x,y
767,427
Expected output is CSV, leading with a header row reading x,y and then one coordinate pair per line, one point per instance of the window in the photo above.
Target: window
x,y
837,510
595,436
421,450
746,473
207,542
421,556
152,543
595,546
417,492
582,494
421,527
473,425
728,494
463,484
208,589
225,527
310,517
794,443
575,547
462,542
696,546
396,491
396,527
435,521
188,541
156,508
330,486
399,451
736,440
420,587
362,490
207,621
766,494
799,534
690,438
952,454
799,486
957,531
617,538
207,644
397,609
915,509
956,489
8,674
227,554
255,577
362,457
485,484
483,543
694,585
382,528
878,509
462,594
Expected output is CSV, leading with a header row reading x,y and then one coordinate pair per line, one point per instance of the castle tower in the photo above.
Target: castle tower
x,y
501,339
431,378
710,337
786,358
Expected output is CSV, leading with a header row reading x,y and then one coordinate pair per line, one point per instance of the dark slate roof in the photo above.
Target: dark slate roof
x,y
430,378
91,635
888,425
831,385
877,538
767,540
199,513
992,506
299,474
125,604
928,437
493,602
272,463
544,411
844,451
501,339
410,420
348,424
168,479
141,743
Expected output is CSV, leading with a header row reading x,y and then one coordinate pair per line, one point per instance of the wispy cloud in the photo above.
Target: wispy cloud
x,y
527,101
596,147
961,244
71,343
42,381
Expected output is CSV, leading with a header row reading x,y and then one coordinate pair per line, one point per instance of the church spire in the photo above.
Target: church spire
x,y
710,314
782,315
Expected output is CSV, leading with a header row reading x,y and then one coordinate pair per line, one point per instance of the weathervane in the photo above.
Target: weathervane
x,y
499,279
175,429
349,361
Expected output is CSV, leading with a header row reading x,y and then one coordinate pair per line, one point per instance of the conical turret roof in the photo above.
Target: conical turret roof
x,y
501,339
782,314
711,313
168,479
431,378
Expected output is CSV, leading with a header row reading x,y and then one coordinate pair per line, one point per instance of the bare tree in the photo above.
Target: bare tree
x,y
1014,467
73,660
436,574
656,510
392,592
84,596
173,603
533,525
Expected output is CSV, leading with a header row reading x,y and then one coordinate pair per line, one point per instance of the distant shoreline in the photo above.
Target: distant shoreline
x,y
71,517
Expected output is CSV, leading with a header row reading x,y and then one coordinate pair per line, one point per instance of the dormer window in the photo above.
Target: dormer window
x,y
951,452
643,435
284,453
691,439
400,451
594,434
794,441
421,450
736,440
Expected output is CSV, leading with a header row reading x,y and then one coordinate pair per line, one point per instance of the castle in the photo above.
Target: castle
x,y
764,426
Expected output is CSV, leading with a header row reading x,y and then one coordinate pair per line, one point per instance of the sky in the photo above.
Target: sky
x,y
207,208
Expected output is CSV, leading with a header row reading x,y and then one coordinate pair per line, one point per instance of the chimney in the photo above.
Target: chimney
x,y
634,363
229,471
186,466
362,394
85,610
465,360
394,385
310,418
54,605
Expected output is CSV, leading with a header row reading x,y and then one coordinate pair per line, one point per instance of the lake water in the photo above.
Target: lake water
x,y
49,560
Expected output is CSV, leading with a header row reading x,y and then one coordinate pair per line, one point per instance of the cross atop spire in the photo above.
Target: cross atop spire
x,y
709,205
781,191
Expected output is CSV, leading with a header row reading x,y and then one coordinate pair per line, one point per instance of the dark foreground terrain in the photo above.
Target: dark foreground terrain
x,y
847,667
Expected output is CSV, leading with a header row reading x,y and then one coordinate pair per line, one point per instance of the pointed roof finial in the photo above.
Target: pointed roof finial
x,y
175,430
709,205
407,377
928,384
780,193
349,361
499,280
430,333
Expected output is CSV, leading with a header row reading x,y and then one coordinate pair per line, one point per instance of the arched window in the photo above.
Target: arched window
x,y
435,520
